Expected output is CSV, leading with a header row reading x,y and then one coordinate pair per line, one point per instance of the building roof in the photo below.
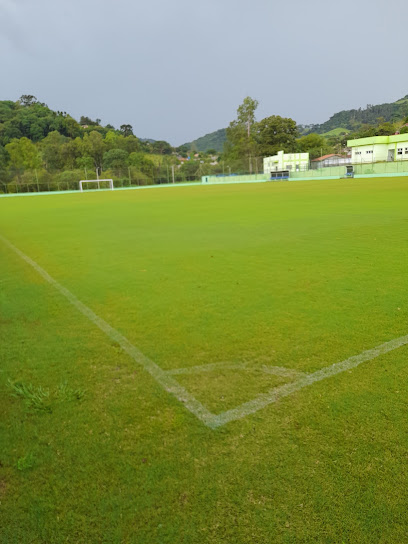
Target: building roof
x,y
374,140
328,157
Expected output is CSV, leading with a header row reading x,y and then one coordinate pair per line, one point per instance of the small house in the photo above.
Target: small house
x,y
329,160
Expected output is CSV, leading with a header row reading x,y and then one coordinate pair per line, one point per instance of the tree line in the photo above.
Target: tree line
x,y
249,140
371,115
42,149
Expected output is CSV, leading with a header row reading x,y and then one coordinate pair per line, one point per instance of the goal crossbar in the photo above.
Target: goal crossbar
x,y
95,181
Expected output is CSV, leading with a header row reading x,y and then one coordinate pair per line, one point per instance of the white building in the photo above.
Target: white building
x,y
286,161
379,149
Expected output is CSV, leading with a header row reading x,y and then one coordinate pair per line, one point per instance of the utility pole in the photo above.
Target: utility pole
x,y
36,177
130,178
172,171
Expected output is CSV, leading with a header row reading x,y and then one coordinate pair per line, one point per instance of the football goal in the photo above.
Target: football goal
x,y
98,182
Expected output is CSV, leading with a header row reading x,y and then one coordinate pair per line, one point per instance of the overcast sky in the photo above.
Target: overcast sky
x,y
178,70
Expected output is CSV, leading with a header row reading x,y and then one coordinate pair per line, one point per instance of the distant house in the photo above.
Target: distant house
x,y
286,161
379,149
329,160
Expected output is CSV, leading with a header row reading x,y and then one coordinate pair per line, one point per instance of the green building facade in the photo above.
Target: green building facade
x,y
379,149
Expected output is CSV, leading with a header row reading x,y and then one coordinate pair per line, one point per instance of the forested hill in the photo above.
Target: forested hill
x,y
214,140
371,115
349,120
33,120
42,149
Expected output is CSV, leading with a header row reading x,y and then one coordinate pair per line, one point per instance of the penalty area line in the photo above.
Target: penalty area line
x,y
168,383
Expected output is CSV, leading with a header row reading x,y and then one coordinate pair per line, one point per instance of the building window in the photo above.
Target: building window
x,y
369,152
358,152
399,151
406,151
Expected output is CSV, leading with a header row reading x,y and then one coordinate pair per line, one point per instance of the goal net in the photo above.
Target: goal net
x,y
101,183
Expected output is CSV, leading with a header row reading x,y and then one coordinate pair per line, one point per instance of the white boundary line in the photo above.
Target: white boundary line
x,y
167,382
170,385
284,390
228,365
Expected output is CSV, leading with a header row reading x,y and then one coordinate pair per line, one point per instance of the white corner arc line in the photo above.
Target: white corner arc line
x,y
277,393
228,365
167,382
170,385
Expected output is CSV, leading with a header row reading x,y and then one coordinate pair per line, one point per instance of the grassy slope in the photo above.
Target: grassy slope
x,y
297,275
336,132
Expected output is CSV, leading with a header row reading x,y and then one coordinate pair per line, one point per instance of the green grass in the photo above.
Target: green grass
x,y
336,132
297,275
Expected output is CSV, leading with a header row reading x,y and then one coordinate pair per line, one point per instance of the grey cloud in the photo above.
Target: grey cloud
x,y
178,70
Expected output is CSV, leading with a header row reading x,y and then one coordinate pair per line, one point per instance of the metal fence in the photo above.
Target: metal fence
x,y
381,168
15,187
369,169
224,172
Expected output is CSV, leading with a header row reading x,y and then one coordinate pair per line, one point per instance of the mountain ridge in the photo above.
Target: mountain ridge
x,y
345,120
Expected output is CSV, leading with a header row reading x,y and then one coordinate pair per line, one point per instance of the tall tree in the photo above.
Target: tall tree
x,y
51,148
314,144
275,133
28,100
115,159
126,130
23,155
246,114
241,133
161,147
95,147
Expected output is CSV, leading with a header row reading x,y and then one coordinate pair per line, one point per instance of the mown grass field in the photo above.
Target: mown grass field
x,y
246,278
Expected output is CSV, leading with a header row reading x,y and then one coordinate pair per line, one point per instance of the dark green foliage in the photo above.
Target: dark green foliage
x,y
126,130
28,100
37,145
87,121
141,162
248,141
314,144
275,133
161,147
33,120
115,159
213,140
371,115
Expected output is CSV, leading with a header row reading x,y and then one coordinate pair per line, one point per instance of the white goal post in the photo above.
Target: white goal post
x,y
95,181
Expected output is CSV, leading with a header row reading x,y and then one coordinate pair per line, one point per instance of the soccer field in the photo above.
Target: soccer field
x,y
209,364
